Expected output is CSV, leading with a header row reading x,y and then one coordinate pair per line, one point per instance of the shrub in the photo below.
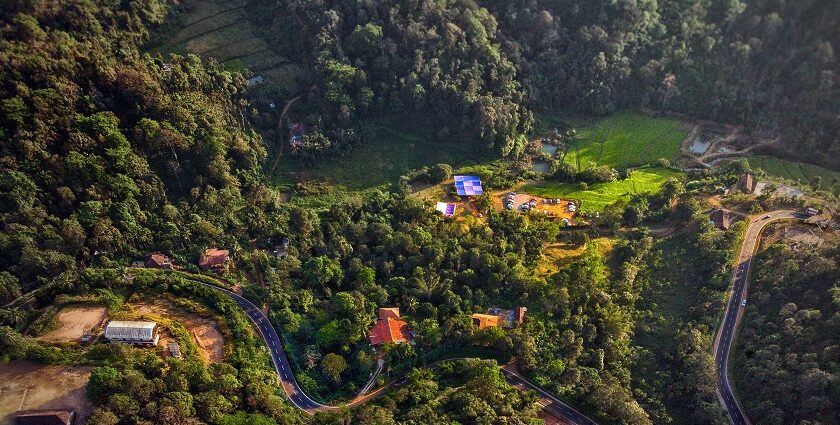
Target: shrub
x,y
439,173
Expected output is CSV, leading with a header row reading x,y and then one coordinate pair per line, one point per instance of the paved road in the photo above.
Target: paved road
x,y
555,407
734,312
551,404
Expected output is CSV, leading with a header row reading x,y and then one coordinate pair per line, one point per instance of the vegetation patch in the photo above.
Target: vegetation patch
x,y
220,30
599,195
559,255
391,147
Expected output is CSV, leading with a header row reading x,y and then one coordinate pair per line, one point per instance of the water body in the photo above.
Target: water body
x,y
540,166
549,149
700,144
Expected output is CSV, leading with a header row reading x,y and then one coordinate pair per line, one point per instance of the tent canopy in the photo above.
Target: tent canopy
x,y
468,186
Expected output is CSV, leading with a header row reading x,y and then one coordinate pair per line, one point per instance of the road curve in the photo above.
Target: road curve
x,y
734,312
554,406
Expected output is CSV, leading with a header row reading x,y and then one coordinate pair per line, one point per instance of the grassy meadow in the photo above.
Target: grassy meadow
x,y
624,139
597,196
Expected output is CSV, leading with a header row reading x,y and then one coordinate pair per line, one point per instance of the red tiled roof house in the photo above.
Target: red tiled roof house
x,y
390,328
158,261
214,259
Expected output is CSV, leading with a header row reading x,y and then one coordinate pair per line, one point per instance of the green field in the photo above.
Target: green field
x,y
391,147
598,196
625,139
796,171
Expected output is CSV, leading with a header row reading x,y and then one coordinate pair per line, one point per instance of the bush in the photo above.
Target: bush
x,y
599,174
439,173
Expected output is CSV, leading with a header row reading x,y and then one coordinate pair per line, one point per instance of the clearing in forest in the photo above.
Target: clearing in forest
x,y
26,385
596,196
390,147
557,255
205,332
219,29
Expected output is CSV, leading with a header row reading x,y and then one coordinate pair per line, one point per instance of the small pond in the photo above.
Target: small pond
x,y
540,166
700,144
549,149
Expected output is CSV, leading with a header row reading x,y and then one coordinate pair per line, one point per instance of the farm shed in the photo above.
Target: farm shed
x,y
132,332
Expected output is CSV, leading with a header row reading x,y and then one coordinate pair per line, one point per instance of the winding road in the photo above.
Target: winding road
x,y
734,312
550,404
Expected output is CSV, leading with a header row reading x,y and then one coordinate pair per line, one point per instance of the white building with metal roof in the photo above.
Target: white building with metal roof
x,y
132,332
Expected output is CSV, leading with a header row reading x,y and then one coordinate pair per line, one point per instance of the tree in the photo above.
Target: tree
x,y
103,382
333,365
440,172
9,286
103,417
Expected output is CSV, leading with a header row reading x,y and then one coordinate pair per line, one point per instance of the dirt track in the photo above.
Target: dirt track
x,y
26,385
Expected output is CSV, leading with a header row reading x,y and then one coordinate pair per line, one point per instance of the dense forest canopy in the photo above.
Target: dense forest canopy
x,y
791,341
105,153
483,66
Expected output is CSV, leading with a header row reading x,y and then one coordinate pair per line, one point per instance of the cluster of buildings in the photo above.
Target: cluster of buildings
x,y
213,259
390,328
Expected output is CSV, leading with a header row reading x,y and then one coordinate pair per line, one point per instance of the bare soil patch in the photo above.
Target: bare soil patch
x,y
73,322
26,385
205,332
559,210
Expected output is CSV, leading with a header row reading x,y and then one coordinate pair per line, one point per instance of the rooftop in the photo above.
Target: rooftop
x,y
390,328
468,186
44,417
214,257
484,321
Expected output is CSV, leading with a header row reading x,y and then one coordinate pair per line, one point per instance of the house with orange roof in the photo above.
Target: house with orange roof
x,y
390,328
214,259
499,317
484,321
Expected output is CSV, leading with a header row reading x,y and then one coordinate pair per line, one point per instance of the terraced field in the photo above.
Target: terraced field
x,y
220,29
